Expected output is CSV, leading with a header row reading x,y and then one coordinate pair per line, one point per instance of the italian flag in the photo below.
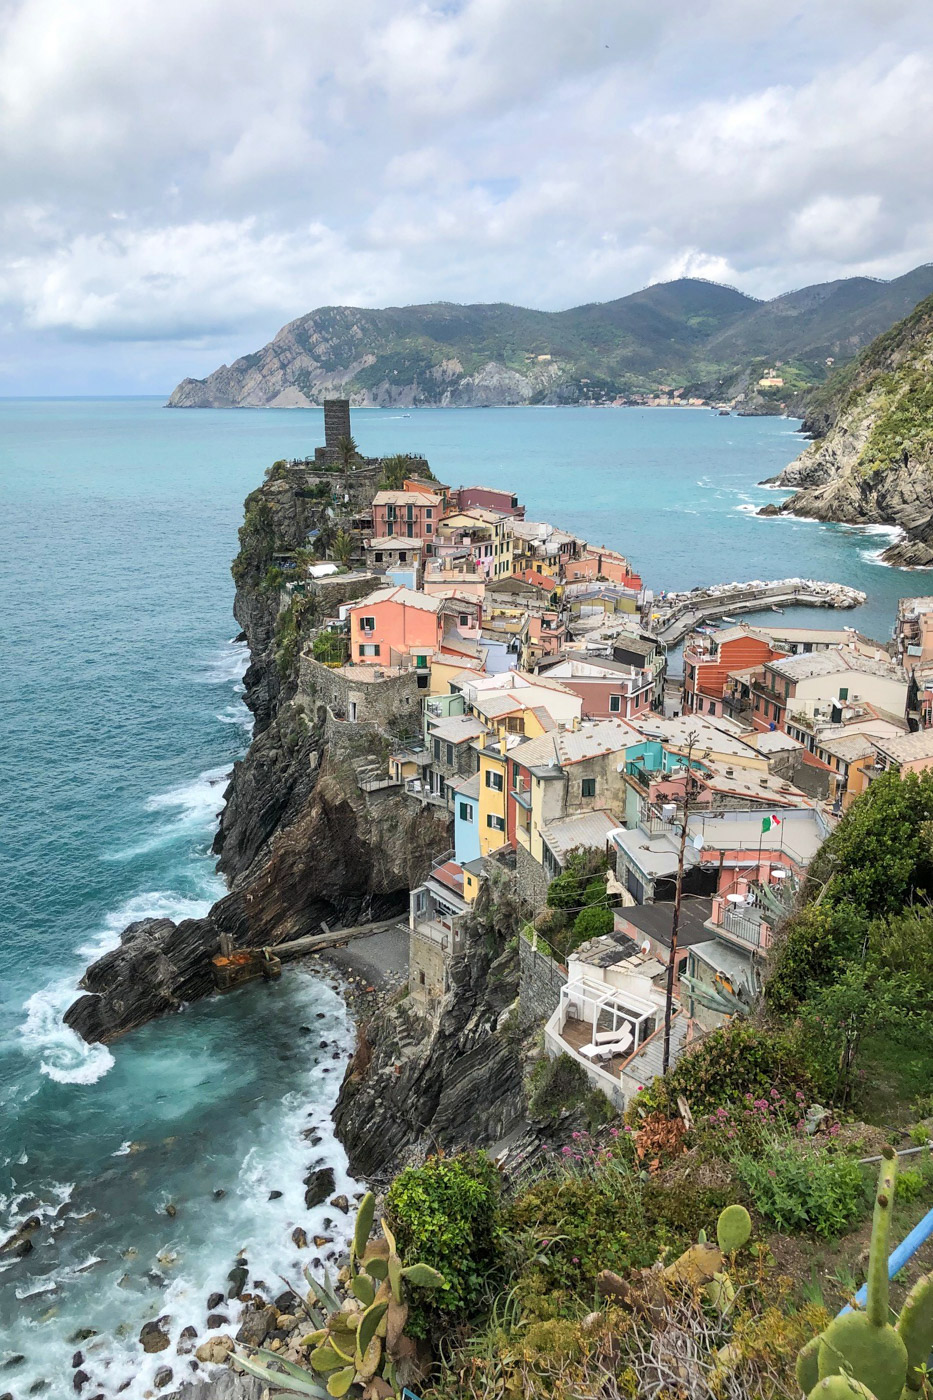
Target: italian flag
x,y
768,822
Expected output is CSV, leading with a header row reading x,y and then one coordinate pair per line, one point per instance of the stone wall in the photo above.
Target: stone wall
x,y
396,697
531,878
427,971
540,981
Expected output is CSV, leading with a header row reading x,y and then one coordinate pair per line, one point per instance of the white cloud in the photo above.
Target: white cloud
x,y
172,170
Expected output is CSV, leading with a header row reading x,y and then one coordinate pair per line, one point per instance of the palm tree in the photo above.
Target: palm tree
x,y
348,452
343,547
394,471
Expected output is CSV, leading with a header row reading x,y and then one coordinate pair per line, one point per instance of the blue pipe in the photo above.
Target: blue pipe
x,y
918,1236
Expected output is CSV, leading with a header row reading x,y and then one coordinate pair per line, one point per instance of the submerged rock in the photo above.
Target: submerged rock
x,y
153,1337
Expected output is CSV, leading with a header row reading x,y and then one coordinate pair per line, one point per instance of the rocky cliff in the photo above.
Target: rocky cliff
x,y
300,839
684,332
872,461
416,1082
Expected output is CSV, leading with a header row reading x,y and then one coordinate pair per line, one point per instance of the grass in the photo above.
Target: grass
x,y
898,1068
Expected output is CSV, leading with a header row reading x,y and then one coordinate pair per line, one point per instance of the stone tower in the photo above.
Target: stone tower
x,y
336,425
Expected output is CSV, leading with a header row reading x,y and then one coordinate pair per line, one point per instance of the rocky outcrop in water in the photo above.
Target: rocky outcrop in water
x,y
872,462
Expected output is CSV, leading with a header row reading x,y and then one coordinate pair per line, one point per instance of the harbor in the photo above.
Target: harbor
x,y
672,616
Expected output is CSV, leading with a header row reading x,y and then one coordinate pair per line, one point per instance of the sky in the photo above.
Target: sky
x,y
179,178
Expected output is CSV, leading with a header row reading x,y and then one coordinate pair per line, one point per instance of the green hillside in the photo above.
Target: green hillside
x,y
688,333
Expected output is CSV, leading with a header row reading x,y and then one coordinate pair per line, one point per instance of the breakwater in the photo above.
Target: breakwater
x,y
673,615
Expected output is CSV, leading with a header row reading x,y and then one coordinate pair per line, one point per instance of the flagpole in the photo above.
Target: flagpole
x,y
675,921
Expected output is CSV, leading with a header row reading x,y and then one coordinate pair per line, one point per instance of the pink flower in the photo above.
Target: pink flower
x,y
613,1132
565,1151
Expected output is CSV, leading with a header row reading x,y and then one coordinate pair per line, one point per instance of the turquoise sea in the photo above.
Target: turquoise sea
x,y
121,716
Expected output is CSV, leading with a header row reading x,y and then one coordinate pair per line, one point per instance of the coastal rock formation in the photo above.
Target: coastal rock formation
x,y
688,332
415,1082
873,458
301,841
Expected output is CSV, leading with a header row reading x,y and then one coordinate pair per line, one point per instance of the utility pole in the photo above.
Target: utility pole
x,y
672,957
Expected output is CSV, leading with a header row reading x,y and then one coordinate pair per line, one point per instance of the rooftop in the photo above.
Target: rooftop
x,y
654,921
832,662
406,597
588,829
458,729
394,542
907,748
849,747
406,498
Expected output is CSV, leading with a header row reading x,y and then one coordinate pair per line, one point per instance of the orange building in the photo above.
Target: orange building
x,y
602,564
708,659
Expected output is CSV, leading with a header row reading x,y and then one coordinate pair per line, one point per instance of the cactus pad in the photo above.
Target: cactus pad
x,y
915,1327
733,1228
840,1388
876,1356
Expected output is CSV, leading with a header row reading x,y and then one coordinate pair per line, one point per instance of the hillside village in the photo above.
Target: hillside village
x,y
513,669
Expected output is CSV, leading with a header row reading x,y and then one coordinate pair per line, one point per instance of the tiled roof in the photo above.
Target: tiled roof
x,y
406,498
588,829
458,729
831,662
907,748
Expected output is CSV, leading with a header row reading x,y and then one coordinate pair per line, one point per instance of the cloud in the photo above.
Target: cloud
x,y
181,173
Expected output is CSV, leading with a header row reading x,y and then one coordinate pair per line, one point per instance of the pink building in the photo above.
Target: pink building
x,y
603,564
412,515
395,624
608,689
491,499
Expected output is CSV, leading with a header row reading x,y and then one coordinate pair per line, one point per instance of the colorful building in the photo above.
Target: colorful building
x,y
709,658
412,515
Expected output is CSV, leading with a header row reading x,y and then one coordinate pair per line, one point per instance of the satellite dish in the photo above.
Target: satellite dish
x,y
644,947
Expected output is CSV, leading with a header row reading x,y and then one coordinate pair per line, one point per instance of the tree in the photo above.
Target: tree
x,y
394,471
348,453
343,547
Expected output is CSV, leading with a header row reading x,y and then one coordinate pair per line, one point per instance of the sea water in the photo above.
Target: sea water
x,y
122,715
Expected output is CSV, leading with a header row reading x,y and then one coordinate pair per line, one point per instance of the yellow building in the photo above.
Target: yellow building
x,y
492,799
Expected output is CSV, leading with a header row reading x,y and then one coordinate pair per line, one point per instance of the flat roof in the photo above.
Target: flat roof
x,y
457,729
588,829
654,921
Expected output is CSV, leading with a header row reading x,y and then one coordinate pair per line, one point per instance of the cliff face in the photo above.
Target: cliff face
x,y
415,1083
872,462
300,839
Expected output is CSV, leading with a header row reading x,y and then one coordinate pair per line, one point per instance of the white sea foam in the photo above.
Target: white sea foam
x,y
124,1149
226,665
63,1055
191,807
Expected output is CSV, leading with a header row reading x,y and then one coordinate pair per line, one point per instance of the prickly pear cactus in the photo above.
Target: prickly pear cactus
x,y
864,1345
840,1388
915,1328
733,1229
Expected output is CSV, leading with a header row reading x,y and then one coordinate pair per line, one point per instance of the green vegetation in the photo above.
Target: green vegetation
x,y
578,907
890,387
560,1085
330,648
290,625
257,542
447,1214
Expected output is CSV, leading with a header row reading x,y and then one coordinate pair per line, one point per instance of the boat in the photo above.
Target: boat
x,y
731,620
775,608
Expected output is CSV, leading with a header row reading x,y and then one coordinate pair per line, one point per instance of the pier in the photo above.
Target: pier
x,y
672,616
231,968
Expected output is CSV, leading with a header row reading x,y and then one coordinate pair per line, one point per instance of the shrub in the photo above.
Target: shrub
x,y
593,922
446,1214
800,1188
576,1225
733,1061
555,1085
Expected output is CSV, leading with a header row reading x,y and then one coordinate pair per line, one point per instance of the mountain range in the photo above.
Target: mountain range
x,y
708,340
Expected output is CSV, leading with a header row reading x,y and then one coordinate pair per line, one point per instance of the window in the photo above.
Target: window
x,y
428,529
410,531
437,750
495,823
421,979
390,528
615,704
429,513
367,624
369,649
493,780
466,812
450,754
403,556
409,512
351,709
589,787
843,692
464,619
378,556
